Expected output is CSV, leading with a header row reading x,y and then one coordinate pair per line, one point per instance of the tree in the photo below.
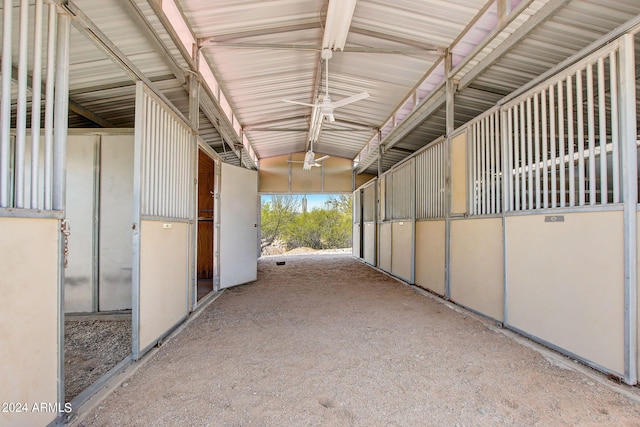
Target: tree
x,y
340,202
277,215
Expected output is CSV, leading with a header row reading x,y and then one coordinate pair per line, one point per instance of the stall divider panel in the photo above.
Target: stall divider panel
x,y
162,219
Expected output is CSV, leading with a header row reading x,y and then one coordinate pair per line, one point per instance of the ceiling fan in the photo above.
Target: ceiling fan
x,y
310,160
324,102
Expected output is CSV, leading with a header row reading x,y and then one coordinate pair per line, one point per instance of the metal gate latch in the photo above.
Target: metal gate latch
x,y
65,229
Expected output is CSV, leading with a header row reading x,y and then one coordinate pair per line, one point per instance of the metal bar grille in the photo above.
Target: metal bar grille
x,y
485,174
27,160
562,138
166,144
430,167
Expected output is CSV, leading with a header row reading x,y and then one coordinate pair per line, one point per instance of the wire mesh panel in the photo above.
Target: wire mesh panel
x,y
166,154
562,138
430,182
485,165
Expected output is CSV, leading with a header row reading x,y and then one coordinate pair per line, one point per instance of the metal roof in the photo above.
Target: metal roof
x,y
261,52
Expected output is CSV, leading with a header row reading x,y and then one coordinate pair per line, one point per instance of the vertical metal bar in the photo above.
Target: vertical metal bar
x,y
516,158
485,167
450,126
545,150
536,151
49,106
552,141
490,163
591,137
506,181
570,143
562,156
530,183
61,111
602,125
494,169
36,102
629,153
21,112
615,151
580,129
499,163
430,182
5,109
470,169
509,170
523,157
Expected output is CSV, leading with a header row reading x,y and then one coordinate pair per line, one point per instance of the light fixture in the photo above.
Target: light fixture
x,y
339,15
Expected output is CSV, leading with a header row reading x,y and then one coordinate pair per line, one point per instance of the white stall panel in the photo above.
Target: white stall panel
x,y
163,278
477,265
79,280
238,225
402,250
116,212
384,250
369,242
29,317
430,255
565,278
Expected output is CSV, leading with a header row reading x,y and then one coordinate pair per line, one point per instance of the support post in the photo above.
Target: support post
x,y
629,170
61,105
449,105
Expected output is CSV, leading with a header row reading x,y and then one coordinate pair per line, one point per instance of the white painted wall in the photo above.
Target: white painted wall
x,y
29,317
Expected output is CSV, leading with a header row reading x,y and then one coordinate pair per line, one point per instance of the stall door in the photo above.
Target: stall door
x,y
238,225
164,202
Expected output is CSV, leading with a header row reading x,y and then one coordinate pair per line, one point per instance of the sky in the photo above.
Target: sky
x,y
313,200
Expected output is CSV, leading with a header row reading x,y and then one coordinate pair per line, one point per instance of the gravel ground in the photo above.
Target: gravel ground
x,y
327,341
92,348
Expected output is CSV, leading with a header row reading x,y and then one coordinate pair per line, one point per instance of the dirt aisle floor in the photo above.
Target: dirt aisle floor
x,y
327,341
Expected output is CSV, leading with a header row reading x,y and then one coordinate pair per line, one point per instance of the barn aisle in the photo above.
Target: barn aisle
x,y
327,340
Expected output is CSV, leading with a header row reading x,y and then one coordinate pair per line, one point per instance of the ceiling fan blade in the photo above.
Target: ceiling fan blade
x,y
299,103
349,100
295,161
321,159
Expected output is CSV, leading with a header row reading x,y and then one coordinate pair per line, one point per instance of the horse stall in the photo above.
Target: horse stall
x,y
527,213
98,254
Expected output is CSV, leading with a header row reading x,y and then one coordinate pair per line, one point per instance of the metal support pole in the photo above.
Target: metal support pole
x,y
49,106
449,103
36,101
21,112
380,152
59,171
194,118
5,120
630,197
61,111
